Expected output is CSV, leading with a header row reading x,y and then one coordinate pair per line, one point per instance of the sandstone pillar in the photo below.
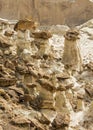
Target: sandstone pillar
x,y
71,56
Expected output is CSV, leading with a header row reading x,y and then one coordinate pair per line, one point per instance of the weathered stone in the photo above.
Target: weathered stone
x,y
71,56
21,45
1,128
88,117
9,33
61,87
48,104
63,76
4,105
4,94
9,64
13,95
33,72
46,84
60,102
1,67
43,46
31,85
79,105
67,83
4,42
37,102
43,119
7,52
37,124
42,35
25,24
90,65
19,120
21,69
89,89
61,121
1,52
5,82
17,90
28,98
47,96
28,78
69,95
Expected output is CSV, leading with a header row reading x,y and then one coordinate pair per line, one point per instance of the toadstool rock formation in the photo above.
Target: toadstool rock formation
x,y
24,26
71,56
41,40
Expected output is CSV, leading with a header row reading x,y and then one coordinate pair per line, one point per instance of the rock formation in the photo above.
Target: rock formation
x,y
36,93
42,43
71,57
25,25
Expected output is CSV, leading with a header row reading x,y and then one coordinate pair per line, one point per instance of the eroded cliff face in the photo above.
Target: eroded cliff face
x,y
70,12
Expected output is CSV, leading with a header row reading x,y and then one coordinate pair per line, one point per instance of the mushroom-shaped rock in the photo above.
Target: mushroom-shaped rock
x,y
42,34
71,56
42,43
25,24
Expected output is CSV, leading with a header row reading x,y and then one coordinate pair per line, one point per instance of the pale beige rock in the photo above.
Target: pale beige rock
x,y
89,89
43,47
4,94
71,56
88,117
9,33
90,65
21,45
5,42
1,128
60,103
47,96
79,105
